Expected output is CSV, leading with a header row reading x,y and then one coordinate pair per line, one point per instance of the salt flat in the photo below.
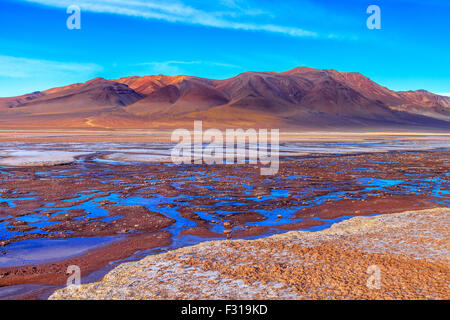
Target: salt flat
x,y
37,158
57,153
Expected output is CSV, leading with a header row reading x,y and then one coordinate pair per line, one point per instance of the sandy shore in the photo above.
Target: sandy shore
x,y
411,251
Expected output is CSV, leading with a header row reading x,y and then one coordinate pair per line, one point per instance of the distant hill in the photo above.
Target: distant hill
x,y
301,98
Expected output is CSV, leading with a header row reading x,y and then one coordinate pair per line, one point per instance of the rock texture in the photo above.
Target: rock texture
x,y
410,250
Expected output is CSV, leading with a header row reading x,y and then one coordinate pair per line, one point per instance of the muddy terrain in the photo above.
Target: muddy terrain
x,y
93,211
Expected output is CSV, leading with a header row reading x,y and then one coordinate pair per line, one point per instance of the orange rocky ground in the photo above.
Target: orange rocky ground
x,y
411,250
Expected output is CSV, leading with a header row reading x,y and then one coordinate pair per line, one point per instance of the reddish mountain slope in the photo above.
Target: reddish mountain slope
x,y
298,98
15,101
69,106
148,84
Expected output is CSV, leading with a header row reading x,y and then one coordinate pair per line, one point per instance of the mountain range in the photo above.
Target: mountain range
x,y
299,99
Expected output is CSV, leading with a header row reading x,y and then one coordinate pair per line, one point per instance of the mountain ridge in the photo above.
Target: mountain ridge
x,y
298,98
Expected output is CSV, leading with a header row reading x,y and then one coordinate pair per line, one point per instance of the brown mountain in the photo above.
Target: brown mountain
x,y
69,106
301,98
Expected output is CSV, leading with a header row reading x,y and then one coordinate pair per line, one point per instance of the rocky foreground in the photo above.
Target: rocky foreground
x,y
410,250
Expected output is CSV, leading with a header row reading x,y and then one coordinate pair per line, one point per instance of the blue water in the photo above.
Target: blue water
x,y
94,209
35,251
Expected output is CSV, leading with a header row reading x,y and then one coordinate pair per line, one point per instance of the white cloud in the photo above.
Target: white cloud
x,y
20,75
444,94
209,63
174,67
17,67
177,12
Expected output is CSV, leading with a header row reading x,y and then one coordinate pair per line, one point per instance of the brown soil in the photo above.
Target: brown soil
x,y
55,273
408,249
371,205
318,176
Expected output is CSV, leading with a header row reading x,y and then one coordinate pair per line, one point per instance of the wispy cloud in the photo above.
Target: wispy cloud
x,y
20,75
18,67
197,62
176,67
233,16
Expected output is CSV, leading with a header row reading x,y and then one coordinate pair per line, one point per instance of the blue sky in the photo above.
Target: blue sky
x,y
219,39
